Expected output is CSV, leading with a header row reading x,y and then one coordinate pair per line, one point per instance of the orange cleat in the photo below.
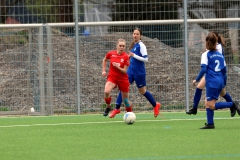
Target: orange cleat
x,y
114,112
156,109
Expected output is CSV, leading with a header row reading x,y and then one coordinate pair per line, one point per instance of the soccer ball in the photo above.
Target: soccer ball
x,y
32,109
129,117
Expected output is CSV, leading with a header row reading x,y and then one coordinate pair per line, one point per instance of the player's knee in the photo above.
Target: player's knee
x,y
200,86
210,105
142,92
126,102
223,92
107,92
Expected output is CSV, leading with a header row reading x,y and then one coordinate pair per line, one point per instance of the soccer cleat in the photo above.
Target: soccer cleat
x,y
129,109
236,106
114,112
156,109
208,126
107,110
233,111
192,111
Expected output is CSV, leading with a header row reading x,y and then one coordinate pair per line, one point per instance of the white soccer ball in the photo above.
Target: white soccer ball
x,y
32,109
129,117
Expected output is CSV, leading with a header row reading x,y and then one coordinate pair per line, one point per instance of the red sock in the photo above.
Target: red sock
x,y
108,100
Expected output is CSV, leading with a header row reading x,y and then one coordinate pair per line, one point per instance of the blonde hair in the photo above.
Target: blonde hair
x,y
121,40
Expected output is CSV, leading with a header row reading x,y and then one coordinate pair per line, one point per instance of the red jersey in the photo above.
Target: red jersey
x,y
122,60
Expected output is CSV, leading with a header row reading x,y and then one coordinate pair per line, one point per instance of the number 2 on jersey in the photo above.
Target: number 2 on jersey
x,y
217,66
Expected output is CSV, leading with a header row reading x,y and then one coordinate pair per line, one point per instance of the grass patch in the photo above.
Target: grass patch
x,y
94,137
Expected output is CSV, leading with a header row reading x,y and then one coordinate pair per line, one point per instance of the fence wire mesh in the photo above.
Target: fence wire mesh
x,y
45,11
38,67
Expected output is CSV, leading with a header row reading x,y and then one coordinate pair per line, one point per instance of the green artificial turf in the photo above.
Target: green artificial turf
x,y
94,137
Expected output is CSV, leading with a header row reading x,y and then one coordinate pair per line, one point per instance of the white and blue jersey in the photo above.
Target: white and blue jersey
x,y
215,69
137,67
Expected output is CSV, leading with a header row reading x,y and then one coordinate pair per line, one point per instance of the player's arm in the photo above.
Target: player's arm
x,y
204,62
143,51
143,59
104,66
123,70
202,72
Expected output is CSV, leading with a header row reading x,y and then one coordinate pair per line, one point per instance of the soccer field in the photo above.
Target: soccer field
x,y
94,137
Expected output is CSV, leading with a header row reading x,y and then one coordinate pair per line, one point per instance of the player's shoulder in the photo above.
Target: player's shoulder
x,y
112,52
141,44
125,54
205,53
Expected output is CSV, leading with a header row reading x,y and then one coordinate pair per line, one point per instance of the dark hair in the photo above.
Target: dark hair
x,y
132,44
211,41
220,39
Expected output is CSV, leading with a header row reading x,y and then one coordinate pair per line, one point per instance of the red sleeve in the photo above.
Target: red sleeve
x,y
108,55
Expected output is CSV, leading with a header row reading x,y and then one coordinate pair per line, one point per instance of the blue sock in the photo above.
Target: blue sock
x,y
150,98
119,100
227,97
221,105
197,97
210,115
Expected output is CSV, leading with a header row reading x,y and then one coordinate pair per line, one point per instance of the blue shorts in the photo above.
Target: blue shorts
x,y
140,80
212,93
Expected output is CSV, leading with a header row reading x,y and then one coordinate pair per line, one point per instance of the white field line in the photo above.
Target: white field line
x,y
82,123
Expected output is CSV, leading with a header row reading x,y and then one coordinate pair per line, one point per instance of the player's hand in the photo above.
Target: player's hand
x,y
104,74
194,82
131,54
115,64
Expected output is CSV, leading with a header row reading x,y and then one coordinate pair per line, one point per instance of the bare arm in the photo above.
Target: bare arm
x,y
104,66
123,70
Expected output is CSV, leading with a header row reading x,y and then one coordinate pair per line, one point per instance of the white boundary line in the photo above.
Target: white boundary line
x,y
83,123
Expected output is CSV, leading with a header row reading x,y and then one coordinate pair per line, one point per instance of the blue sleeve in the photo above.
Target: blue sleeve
x,y
224,71
201,73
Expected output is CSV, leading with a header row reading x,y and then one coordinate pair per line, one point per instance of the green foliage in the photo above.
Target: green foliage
x,y
43,8
50,11
4,108
236,58
125,10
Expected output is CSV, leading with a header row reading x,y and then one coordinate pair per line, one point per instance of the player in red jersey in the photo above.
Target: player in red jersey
x,y
117,75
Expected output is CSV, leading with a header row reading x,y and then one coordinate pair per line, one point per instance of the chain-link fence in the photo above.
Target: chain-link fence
x,y
38,67
53,11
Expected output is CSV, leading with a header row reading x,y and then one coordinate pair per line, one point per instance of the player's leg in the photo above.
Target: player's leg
x,y
197,96
127,103
119,97
141,84
107,97
210,101
124,92
228,98
211,104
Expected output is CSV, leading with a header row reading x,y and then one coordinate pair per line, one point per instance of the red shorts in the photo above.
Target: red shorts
x,y
123,85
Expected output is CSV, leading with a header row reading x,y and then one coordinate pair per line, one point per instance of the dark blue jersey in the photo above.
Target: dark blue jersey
x,y
137,67
216,68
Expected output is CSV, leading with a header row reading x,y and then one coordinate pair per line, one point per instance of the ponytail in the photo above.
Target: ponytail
x,y
220,39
